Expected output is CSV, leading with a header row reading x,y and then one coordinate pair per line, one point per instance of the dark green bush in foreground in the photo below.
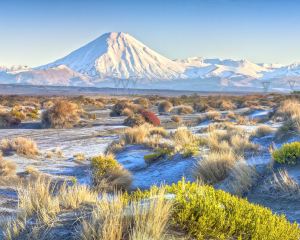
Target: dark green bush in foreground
x,y
206,213
289,153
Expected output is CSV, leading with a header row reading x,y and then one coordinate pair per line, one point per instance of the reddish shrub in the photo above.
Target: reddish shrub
x,y
150,117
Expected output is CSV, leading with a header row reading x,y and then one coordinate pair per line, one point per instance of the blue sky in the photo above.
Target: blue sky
x,y
36,32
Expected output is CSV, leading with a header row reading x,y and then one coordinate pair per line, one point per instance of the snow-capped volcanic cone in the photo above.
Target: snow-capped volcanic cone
x,y
119,55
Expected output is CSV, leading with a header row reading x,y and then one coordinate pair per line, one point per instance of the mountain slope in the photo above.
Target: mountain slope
x,y
119,55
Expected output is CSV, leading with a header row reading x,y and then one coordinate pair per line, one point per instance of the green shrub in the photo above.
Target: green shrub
x,y
289,153
206,213
157,155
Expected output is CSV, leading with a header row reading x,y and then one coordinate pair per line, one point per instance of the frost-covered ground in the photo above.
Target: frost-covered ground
x,y
92,140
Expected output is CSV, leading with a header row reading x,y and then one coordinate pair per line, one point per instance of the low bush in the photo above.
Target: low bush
x,y
183,109
176,119
63,114
165,106
289,153
122,107
142,101
134,120
108,173
206,213
24,113
200,107
7,120
20,145
150,117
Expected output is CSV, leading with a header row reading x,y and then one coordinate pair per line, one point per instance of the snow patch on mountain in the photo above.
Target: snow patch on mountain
x,y
119,55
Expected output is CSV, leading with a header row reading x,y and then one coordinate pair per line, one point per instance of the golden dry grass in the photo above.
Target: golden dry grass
x,y
215,166
13,228
231,139
37,198
21,145
244,176
213,115
79,157
140,134
289,110
185,141
150,220
183,109
262,131
73,196
106,221
113,219
7,168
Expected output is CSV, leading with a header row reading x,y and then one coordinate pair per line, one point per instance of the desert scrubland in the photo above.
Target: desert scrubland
x,y
150,167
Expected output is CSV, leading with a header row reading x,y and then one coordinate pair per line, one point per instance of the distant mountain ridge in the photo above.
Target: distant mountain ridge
x,y
118,57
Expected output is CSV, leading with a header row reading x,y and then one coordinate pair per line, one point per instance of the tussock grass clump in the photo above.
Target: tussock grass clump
x,y
176,119
282,185
115,147
213,115
206,213
142,101
243,177
231,139
63,114
186,142
262,131
7,168
73,196
123,107
226,104
56,152
37,198
20,145
13,228
165,106
215,166
107,173
289,111
79,157
150,220
183,109
200,107
289,153
117,219
140,134
106,221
